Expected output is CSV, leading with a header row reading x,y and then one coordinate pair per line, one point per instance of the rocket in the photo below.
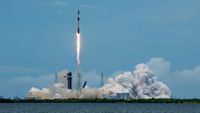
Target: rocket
x,y
78,30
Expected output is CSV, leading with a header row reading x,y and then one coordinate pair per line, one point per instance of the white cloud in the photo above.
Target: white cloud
x,y
91,6
19,85
17,80
6,71
60,12
61,3
183,14
42,4
183,83
159,65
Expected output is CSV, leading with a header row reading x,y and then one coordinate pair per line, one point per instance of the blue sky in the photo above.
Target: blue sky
x,y
36,36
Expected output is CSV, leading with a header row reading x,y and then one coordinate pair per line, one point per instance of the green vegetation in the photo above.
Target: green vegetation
x,y
7,100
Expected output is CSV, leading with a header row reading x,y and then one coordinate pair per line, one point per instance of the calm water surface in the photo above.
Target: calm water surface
x,y
98,108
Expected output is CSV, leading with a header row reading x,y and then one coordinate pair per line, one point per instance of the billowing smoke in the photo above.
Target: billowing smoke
x,y
141,83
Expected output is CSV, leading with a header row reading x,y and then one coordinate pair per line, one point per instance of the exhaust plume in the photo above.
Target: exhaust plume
x,y
78,43
140,83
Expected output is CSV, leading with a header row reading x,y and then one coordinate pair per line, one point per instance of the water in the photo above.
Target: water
x,y
98,108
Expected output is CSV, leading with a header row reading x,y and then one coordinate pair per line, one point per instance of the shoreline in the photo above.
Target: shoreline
x,y
178,101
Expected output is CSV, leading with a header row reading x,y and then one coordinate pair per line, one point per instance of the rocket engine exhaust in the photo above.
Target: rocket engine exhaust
x,y
78,48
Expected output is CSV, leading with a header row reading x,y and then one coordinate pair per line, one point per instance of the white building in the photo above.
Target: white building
x,y
124,96
117,96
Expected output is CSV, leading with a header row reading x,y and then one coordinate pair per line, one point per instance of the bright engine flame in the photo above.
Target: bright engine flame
x,y
78,42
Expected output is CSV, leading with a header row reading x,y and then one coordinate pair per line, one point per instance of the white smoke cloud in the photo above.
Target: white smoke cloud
x,y
59,90
183,83
159,66
140,83
43,93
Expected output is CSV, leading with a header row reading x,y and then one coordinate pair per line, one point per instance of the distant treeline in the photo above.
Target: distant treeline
x,y
7,100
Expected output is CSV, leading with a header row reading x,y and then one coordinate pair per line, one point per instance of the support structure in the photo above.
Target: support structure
x,y
102,82
56,76
69,80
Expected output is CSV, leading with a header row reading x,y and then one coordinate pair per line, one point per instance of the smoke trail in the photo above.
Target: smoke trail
x,y
78,48
140,83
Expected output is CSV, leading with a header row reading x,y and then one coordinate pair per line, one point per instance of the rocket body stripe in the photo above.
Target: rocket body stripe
x,y
78,30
